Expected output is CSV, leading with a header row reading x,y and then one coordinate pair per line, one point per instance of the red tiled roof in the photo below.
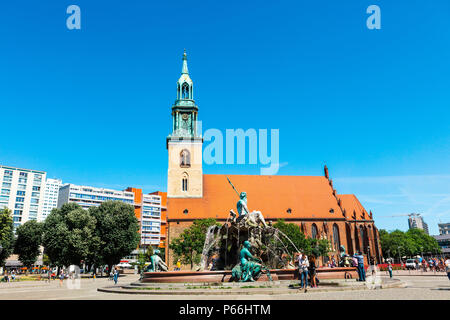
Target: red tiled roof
x,y
350,203
306,196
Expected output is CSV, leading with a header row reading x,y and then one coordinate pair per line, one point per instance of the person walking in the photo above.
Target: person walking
x,y
312,272
303,266
13,275
447,267
61,278
360,267
390,269
116,276
178,265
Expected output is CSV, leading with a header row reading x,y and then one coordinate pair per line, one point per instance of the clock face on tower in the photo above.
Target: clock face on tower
x,y
185,116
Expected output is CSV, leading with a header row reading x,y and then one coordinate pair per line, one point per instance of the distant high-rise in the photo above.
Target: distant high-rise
x,y
51,193
444,228
415,221
22,191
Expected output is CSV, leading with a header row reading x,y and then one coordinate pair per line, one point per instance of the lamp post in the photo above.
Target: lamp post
x,y
1,249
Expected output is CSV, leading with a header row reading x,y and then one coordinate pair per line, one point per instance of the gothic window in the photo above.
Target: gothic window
x,y
184,182
336,241
185,159
314,231
185,91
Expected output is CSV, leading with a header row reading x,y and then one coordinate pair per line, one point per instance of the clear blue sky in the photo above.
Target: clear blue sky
x,y
92,106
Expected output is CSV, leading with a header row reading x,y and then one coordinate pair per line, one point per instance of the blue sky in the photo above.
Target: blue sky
x,y
92,106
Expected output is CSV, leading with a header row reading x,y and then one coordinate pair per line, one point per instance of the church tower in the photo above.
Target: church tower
x,y
185,175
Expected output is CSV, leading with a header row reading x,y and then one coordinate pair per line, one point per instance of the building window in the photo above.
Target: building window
x,y
185,91
20,193
314,231
184,182
36,188
20,199
336,240
185,159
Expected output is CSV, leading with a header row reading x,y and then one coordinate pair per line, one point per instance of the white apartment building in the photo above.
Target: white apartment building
x,y
22,191
87,197
51,193
151,220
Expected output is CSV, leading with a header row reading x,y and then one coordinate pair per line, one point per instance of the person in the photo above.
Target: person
x,y
178,265
447,267
333,263
116,276
360,266
390,269
303,266
49,275
61,278
13,275
111,275
312,271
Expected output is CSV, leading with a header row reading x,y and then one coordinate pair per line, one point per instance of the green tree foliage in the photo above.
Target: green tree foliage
x,y
68,235
6,235
28,241
413,242
316,247
292,231
117,229
188,246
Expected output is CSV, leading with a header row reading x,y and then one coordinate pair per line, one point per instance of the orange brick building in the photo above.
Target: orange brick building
x,y
311,202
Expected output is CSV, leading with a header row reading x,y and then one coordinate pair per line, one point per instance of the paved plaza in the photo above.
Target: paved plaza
x,y
427,286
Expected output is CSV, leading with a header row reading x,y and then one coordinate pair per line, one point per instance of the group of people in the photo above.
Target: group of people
x,y
7,278
114,275
306,270
434,264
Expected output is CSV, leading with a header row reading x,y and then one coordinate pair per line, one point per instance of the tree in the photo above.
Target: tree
x,y
188,246
117,230
29,237
292,231
6,235
319,247
69,235
316,247
414,241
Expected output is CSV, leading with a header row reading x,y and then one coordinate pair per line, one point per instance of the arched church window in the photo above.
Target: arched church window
x,y
184,182
185,158
336,240
363,238
314,231
185,91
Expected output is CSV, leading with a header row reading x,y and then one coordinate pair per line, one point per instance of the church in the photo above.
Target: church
x,y
311,202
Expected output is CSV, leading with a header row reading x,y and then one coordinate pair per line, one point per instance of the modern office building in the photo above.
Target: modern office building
x,y
51,193
22,191
444,228
444,242
87,197
415,221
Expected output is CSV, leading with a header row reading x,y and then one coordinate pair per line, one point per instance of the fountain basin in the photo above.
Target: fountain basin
x,y
225,275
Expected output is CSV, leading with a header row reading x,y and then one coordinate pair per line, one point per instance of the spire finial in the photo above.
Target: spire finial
x,y
185,66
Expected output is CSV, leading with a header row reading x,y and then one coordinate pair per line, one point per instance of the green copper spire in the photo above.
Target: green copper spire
x,y
184,110
185,67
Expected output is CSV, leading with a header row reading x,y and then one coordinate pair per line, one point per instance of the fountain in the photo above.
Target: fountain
x,y
245,248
